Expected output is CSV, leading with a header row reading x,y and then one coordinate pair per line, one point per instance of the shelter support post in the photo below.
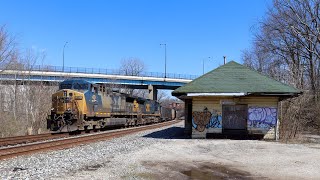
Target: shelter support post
x,y
188,117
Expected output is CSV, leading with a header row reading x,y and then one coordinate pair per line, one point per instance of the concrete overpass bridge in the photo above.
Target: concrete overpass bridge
x,y
146,80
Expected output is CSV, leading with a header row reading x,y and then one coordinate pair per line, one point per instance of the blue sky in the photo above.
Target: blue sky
x,y
102,33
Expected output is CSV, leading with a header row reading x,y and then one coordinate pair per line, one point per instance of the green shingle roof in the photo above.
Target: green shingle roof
x,y
233,78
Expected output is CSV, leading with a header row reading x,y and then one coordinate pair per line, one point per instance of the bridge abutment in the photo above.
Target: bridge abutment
x,y
153,92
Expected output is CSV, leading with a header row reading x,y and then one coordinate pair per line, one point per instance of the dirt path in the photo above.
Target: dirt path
x,y
171,157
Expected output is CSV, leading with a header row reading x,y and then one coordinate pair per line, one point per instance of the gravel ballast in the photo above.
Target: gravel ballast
x,y
165,153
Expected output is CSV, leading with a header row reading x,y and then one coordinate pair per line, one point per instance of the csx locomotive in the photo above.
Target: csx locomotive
x,y
79,105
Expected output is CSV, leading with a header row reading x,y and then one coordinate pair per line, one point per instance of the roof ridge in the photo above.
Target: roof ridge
x,y
265,75
211,71
236,77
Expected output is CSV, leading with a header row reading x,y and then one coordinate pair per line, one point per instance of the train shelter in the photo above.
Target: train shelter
x,y
233,99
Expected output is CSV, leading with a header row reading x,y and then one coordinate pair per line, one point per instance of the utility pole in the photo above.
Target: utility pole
x,y
165,59
203,64
63,56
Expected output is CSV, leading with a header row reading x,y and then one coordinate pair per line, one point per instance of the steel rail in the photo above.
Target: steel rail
x,y
57,144
29,138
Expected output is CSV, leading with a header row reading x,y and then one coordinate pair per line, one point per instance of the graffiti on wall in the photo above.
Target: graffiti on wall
x,y
215,121
206,119
262,117
201,119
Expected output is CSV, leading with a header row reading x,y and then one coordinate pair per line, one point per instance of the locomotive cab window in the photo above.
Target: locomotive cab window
x,y
102,88
94,89
80,86
74,84
65,86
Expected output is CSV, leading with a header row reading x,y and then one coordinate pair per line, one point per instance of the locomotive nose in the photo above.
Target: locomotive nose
x,y
61,101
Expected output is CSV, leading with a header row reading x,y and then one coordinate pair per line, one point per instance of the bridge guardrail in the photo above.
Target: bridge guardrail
x,y
107,72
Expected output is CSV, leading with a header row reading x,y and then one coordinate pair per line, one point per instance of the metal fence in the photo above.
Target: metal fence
x,y
40,78
107,72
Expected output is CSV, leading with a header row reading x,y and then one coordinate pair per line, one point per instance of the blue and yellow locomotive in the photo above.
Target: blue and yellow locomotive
x,y
80,105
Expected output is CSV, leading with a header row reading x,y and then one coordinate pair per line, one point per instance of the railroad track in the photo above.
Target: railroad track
x,y
28,139
64,143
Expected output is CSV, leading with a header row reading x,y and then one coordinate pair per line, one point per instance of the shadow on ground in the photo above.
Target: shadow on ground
x,y
235,136
178,133
169,133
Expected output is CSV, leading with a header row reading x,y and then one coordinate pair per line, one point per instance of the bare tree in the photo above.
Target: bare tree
x,y
24,104
132,67
140,93
8,51
287,47
162,96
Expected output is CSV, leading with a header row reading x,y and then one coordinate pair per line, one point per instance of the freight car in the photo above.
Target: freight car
x,y
80,105
167,113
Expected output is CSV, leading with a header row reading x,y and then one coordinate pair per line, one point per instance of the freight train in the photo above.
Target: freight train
x,y
79,105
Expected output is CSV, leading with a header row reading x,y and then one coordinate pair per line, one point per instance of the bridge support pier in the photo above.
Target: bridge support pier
x,y
153,92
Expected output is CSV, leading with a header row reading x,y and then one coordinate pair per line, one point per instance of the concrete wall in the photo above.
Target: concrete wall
x,y
207,115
